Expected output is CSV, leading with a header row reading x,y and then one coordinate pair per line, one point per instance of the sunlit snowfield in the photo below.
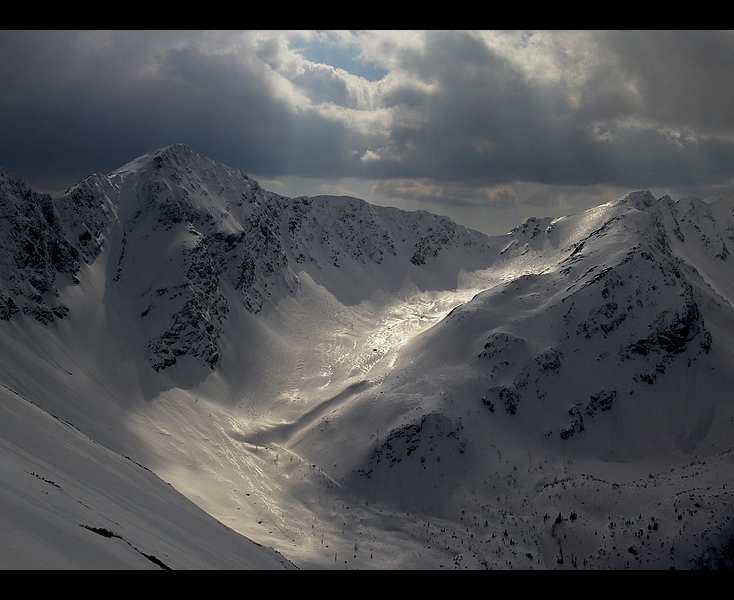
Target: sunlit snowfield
x,y
255,481
272,482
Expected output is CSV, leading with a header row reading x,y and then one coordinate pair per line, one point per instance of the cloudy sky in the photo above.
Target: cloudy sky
x,y
487,127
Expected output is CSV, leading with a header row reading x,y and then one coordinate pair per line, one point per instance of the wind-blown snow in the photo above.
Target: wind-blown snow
x,y
352,386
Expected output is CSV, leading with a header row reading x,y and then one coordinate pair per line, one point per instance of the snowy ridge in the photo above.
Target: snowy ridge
x,y
198,235
557,347
362,387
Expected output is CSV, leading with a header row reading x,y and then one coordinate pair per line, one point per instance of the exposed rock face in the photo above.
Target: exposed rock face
x,y
86,213
197,326
195,234
36,252
619,307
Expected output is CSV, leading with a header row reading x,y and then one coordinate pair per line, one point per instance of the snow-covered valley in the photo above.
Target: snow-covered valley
x,y
358,387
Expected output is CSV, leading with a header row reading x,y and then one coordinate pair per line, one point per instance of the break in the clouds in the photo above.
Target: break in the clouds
x,y
486,126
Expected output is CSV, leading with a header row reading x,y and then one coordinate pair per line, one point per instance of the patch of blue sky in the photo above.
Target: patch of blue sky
x,y
346,58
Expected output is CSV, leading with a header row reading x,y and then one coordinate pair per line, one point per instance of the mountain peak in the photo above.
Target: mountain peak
x,y
640,199
176,148
174,153
175,156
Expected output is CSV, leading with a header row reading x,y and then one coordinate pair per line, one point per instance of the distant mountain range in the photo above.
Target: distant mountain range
x,y
557,397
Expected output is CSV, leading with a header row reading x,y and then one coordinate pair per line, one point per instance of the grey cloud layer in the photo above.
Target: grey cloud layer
x,y
463,109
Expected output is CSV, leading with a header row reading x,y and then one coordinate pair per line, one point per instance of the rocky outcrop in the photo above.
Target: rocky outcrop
x,y
36,253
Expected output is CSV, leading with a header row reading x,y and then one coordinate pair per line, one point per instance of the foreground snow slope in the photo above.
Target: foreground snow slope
x,y
69,503
361,387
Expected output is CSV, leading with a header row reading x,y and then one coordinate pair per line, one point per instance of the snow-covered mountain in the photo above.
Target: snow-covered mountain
x,y
357,386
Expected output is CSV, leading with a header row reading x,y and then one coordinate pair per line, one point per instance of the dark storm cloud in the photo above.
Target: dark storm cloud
x,y
457,117
449,194
685,78
649,158
69,104
75,102
484,118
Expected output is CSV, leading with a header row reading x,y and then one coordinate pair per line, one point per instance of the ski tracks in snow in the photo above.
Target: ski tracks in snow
x,y
334,366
